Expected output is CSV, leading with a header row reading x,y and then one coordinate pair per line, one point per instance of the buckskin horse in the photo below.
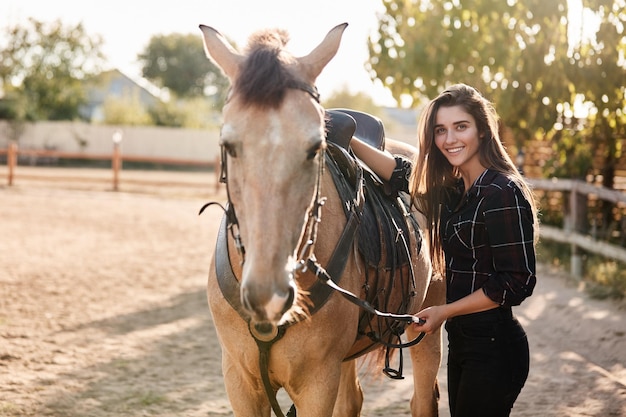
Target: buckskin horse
x,y
312,269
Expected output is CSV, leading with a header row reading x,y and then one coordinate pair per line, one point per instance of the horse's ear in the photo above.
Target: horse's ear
x,y
314,63
221,52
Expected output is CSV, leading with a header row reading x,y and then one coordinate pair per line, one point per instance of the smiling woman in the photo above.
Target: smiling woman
x,y
483,223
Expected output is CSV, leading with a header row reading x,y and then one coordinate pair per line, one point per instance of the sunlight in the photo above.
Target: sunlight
x,y
583,24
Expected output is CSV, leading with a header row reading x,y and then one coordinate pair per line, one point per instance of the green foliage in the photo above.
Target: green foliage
x,y
192,113
178,62
572,155
604,278
519,54
608,278
554,254
126,110
42,67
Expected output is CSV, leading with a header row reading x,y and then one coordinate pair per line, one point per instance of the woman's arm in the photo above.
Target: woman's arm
x,y
509,226
381,162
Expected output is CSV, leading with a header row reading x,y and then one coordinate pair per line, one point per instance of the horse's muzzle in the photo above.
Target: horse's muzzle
x,y
264,306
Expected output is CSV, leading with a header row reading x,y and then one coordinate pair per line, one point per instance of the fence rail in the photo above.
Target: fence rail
x,y
13,152
568,233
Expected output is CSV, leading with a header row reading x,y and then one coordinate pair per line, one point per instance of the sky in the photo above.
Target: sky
x,y
127,26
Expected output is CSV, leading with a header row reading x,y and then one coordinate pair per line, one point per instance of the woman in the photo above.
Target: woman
x,y
483,225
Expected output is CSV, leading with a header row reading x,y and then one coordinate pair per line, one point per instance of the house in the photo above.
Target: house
x,y
113,83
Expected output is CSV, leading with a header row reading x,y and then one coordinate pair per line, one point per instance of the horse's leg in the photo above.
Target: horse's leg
x,y
350,397
426,360
246,395
239,355
314,391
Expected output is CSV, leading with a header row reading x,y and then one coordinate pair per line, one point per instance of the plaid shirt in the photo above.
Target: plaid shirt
x,y
488,241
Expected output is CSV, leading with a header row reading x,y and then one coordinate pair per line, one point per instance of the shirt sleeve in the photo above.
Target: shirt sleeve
x,y
509,227
399,180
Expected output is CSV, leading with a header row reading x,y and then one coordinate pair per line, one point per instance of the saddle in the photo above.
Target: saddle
x,y
383,234
343,124
385,213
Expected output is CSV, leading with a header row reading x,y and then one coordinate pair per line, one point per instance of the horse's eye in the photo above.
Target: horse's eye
x,y
230,148
313,150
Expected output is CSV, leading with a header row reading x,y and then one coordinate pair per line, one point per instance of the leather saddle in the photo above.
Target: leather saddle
x,y
383,234
343,124
383,216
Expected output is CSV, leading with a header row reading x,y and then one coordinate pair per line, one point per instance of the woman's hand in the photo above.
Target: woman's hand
x,y
436,315
433,318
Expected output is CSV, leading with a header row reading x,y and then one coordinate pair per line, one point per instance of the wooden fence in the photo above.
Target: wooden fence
x,y
568,233
13,152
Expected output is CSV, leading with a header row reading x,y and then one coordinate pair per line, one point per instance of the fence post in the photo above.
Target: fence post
x,y
576,262
11,161
116,161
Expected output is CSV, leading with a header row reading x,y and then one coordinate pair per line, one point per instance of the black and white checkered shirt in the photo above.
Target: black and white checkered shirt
x,y
488,241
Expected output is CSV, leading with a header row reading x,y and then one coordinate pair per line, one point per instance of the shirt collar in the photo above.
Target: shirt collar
x,y
484,180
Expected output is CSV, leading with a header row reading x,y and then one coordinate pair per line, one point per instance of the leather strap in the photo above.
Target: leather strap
x,y
228,283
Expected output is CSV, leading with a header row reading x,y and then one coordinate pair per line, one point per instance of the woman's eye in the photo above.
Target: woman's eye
x,y
439,131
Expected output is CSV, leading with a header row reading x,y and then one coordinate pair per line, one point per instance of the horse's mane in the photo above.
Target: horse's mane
x,y
265,75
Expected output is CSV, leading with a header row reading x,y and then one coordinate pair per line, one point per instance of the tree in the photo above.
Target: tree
x,y
42,68
499,47
519,55
598,75
178,62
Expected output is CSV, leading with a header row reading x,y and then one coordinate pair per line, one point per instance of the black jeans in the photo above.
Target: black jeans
x,y
488,362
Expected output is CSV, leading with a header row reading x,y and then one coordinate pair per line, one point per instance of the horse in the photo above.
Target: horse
x,y
278,289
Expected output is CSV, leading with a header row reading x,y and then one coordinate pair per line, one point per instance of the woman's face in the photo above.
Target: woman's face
x,y
457,137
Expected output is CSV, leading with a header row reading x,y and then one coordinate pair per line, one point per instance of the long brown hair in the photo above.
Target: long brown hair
x,y
433,176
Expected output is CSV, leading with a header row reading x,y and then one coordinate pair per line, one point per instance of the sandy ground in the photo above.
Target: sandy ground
x,y
103,310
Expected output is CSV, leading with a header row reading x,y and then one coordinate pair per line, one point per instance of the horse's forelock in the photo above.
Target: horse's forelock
x,y
269,37
265,74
